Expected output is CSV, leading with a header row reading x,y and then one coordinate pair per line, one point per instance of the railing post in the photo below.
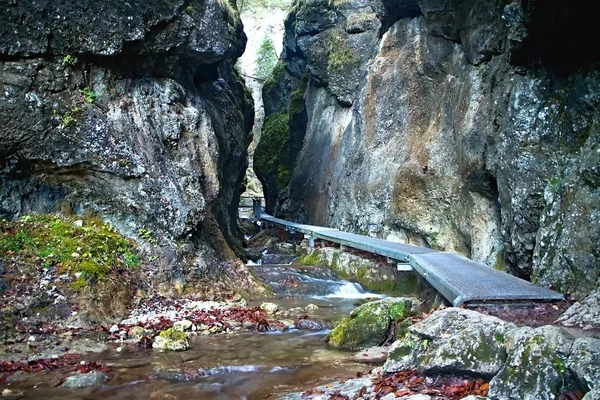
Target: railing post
x,y
256,207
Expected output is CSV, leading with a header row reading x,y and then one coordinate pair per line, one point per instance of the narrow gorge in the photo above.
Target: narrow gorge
x,y
135,134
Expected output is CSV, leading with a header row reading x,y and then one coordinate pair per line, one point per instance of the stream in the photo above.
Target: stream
x,y
244,365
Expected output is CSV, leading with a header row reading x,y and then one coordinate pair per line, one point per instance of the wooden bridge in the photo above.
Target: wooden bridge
x,y
458,279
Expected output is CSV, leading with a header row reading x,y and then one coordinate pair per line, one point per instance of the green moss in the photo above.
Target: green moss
x,y
269,155
367,325
89,247
297,98
173,334
499,337
499,264
276,76
283,176
340,57
311,259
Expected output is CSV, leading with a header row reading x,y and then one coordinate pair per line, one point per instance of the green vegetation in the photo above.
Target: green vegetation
x,y
269,156
69,60
146,235
313,258
89,95
340,56
559,365
276,77
368,325
231,11
189,9
87,247
67,118
297,98
266,58
172,334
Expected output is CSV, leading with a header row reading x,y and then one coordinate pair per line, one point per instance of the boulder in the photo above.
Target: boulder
x,y
171,339
584,361
534,368
308,324
183,325
454,341
372,355
350,388
269,308
84,380
584,314
369,324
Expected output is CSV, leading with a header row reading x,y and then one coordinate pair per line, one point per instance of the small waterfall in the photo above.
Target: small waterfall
x,y
351,290
313,282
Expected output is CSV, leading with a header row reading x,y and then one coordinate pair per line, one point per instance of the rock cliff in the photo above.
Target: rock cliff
x,y
131,111
463,125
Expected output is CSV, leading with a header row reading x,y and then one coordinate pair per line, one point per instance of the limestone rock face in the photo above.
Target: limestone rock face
x,y
468,130
454,341
369,324
131,111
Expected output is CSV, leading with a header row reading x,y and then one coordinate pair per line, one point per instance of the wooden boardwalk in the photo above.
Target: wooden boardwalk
x,y
458,279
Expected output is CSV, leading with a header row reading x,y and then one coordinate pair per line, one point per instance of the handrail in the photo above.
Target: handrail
x,y
457,278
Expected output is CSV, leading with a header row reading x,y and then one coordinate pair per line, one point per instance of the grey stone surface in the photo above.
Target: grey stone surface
x,y
78,380
454,140
534,368
454,341
584,314
584,361
132,112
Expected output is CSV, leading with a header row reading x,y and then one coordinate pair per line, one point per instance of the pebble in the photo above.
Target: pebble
x,y
114,328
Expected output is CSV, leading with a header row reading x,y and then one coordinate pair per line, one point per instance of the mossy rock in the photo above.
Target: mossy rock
x,y
454,341
171,339
535,367
369,324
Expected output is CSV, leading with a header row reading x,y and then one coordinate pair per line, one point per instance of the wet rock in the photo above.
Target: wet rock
x,y
534,367
350,388
269,308
183,325
10,394
254,253
584,361
369,324
309,324
162,396
84,380
171,339
584,314
453,340
277,259
372,355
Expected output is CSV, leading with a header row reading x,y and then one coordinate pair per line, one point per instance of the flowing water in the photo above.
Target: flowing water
x,y
240,366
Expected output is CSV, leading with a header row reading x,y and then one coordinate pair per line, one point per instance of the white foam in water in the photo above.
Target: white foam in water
x,y
251,263
350,290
